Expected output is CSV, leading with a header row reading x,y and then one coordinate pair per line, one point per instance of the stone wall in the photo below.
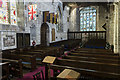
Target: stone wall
x,y
101,14
52,8
34,26
119,27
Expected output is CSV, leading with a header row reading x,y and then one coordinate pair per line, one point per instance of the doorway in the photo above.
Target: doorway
x,y
44,34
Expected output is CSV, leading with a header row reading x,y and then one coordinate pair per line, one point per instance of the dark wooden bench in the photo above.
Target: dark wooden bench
x,y
27,60
39,53
15,67
86,74
94,51
68,44
4,66
105,70
56,51
89,49
95,55
81,58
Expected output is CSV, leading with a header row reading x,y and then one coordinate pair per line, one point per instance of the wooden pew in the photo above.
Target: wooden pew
x,y
68,44
27,60
15,67
95,55
80,58
104,70
40,54
56,51
86,74
4,66
94,51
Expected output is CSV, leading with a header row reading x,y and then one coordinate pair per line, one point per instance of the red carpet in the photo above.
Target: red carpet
x,y
29,76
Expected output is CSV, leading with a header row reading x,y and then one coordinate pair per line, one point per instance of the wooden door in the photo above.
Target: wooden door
x,y
44,34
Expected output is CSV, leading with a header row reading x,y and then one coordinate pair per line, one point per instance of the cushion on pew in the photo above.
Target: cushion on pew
x,y
38,59
26,63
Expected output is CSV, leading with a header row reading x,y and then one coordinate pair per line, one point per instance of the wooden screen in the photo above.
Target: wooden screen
x,y
23,40
26,39
19,40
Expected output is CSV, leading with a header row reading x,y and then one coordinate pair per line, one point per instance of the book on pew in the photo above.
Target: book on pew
x,y
49,59
68,74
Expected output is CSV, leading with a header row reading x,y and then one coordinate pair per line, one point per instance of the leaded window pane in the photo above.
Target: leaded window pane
x,y
88,19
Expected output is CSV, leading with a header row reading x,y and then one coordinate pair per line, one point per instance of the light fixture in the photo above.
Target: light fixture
x,y
68,8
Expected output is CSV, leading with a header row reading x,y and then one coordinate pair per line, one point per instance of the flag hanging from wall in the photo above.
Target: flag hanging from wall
x,y
51,14
53,18
13,11
32,12
46,16
57,18
4,12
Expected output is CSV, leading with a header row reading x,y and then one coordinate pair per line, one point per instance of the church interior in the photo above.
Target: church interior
x,y
59,40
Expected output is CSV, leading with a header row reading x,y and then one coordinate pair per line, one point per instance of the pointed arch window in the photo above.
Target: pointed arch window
x,y
88,19
59,26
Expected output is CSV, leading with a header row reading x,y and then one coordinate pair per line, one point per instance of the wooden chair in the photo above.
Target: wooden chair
x,y
39,76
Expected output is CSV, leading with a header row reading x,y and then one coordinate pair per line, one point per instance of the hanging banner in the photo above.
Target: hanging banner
x,y
51,17
55,18
32,12
46,16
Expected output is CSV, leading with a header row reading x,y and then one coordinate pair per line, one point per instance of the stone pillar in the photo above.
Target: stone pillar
x,y
111,24
115,41
112,30
119,27
74,20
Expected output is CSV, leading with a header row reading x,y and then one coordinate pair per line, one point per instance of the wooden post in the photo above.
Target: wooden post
x,y
81,37
21,66
105,36
74,35
68,34
48,60
46,72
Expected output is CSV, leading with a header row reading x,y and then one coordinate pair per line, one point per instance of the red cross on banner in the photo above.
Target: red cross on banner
x,y
32,12
1,3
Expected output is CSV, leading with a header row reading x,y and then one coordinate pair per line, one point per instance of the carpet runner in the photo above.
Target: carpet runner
x,y
29,76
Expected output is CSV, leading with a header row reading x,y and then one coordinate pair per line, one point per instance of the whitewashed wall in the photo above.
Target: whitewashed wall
x,y
52,8
4,34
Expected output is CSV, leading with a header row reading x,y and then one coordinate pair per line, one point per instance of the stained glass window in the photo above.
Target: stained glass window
x,y
88,19
3,12
13,10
